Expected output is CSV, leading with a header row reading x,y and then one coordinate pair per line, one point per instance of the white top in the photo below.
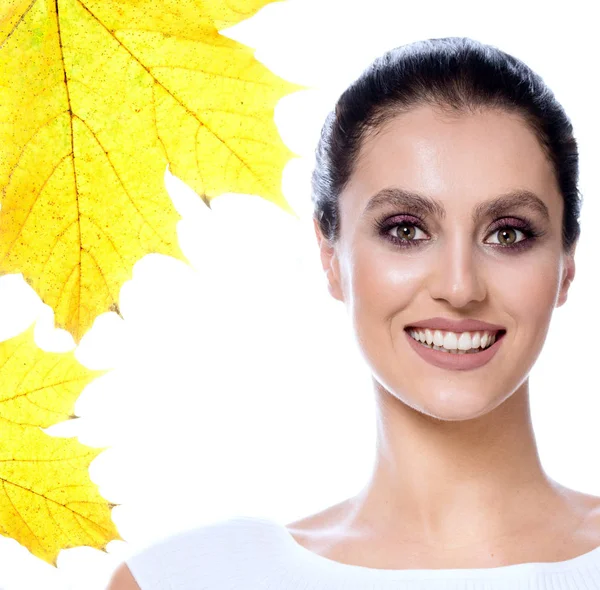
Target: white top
x,y
247,553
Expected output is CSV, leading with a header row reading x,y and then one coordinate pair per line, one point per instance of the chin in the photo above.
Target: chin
x,y
454,406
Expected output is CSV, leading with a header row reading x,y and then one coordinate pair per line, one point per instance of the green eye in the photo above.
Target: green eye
x,y
508,235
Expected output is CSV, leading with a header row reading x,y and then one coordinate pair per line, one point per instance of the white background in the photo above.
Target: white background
x,y
236,386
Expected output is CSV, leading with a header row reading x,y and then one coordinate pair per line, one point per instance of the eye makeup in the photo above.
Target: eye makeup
x,y
386,224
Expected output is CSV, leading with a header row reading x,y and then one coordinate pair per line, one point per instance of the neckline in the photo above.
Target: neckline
x,y
518,569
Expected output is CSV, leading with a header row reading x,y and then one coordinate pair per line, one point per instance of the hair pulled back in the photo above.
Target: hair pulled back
x,y
455,75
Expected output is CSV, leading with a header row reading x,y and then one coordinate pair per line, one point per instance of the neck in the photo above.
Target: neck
x,y
451,483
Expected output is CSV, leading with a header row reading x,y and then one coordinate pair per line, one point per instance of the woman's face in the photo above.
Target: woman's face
x,y
457,260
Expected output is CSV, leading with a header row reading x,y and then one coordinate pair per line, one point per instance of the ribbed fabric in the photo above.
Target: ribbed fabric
x,y
248,553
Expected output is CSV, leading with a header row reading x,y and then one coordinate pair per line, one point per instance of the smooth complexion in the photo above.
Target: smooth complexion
x,y
457,480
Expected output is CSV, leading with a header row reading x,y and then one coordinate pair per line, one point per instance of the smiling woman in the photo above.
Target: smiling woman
x,y
446,212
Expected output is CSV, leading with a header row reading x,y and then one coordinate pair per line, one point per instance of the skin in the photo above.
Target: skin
x,y
457,479
122,579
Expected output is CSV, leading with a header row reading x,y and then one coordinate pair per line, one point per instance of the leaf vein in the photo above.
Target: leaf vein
x,y
56,242
42,126
70,108
108,159
63,286
156,123
33,201
4,482
47,505
41,495
219,75
99,267
18,22
170,93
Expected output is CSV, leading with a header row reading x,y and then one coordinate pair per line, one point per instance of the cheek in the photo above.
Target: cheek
x,y
528,292
380,287
382,283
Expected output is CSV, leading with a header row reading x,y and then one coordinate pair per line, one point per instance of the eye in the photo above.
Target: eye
x,y
508,235
405,232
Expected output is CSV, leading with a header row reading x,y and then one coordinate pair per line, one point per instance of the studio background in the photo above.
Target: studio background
x,y
236,385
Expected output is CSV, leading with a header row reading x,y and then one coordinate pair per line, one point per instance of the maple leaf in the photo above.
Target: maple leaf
x,y
47,500
96,98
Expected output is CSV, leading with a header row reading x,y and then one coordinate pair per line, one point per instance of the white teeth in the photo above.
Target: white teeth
x,y
453,342
464,342
450,341
428,335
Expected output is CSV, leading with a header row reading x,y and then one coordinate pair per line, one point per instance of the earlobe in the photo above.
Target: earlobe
x,y
333,285
329,261
567,279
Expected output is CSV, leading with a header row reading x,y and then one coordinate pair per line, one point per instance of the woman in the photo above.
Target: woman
x,y
446,211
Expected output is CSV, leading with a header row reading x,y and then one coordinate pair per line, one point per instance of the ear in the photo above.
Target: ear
x,y
568,276
330,263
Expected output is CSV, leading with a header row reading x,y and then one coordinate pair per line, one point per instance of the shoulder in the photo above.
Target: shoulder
x,y
591,523
122,579
204,553
583,520
330,517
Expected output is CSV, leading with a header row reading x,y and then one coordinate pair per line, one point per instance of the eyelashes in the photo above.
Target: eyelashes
x,y
531,234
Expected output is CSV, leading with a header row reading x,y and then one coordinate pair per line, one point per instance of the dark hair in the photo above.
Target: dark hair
x,y
454,74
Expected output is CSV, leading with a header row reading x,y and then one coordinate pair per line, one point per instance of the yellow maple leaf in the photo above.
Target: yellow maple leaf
x,y
96,98
47,500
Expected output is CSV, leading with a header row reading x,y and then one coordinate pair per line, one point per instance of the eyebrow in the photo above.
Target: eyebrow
x,y
426,206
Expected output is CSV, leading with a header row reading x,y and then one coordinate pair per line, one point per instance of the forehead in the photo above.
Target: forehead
x,y
460,160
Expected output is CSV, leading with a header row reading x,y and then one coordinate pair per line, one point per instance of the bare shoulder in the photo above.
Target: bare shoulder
x,y
582,520
591,524
331,516
122,579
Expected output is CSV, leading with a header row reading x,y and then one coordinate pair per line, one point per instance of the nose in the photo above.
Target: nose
x,y
456,273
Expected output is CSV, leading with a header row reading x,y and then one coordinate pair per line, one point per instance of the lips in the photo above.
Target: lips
x,y
455,362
